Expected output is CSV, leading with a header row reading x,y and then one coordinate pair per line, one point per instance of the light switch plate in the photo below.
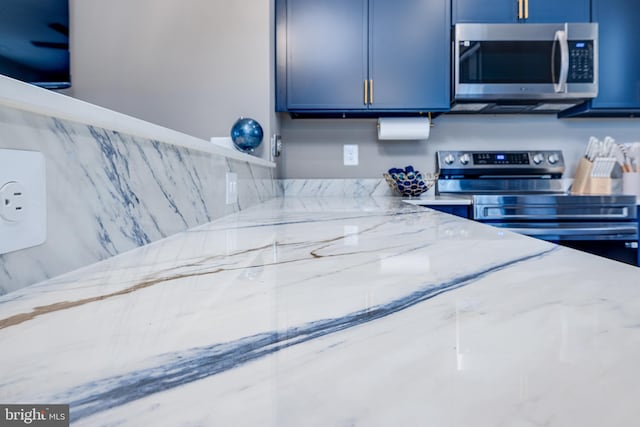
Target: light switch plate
x,y
23,200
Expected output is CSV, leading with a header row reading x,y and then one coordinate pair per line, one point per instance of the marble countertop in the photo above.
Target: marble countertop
x,y
430,199
332,312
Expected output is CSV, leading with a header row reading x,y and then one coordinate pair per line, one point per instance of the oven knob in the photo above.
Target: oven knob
x,y
464,159
538,158
553,159
449,159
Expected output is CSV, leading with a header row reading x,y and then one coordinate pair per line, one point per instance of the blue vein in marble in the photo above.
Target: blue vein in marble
x,y
116,167
196,186
6,273
199,363
156,146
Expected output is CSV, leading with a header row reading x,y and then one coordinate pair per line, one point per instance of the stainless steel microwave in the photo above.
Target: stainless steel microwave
x,y
526,63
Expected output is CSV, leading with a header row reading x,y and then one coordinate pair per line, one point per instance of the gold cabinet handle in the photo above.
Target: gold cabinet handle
x,y
526,9
520,14
366,92
370,92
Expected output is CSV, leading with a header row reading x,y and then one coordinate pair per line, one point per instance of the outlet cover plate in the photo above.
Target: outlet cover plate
x,y
231,195
350,155
28,169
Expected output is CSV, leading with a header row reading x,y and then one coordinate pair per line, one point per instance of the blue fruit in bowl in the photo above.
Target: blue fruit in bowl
x,y
246,134
408,181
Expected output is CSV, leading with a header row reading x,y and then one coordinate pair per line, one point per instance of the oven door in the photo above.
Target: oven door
x,y
557,210
560,231
613,240
602,225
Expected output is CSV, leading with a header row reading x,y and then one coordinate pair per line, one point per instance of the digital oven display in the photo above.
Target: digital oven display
x,y
501,158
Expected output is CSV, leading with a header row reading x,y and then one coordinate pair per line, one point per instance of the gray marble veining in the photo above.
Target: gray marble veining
x,y
336,187
109,192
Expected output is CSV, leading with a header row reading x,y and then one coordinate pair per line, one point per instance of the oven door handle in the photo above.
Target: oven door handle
x,y
630,230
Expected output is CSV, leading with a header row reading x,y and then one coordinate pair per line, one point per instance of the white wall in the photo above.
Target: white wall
x,y
191,65
313,147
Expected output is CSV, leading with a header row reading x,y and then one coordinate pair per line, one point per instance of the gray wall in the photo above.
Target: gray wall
x,y
313,147
190,65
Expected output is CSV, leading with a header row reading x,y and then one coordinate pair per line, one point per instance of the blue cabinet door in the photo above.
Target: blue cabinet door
x,y
526,11
409,45
484,11
326,54
619,54
362,56
552,11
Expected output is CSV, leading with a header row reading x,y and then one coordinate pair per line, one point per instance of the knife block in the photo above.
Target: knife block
x,y
584,183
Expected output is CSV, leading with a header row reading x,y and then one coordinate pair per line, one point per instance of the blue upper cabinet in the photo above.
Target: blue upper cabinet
x,y
618,53
409,44
618,61
550,11
326,53
481,11
362,55
525,11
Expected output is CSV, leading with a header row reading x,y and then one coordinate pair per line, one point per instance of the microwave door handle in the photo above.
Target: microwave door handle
x,y
561,39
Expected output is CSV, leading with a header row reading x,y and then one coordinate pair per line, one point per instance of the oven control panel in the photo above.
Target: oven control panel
x,y
461,163
501,158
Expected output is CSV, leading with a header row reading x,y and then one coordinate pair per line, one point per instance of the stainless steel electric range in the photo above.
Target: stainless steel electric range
x,y
523,191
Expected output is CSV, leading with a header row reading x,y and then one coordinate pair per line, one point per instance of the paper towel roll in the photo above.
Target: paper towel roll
x,y
403,128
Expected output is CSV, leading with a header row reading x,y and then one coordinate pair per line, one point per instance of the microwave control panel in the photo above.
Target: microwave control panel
x,y
580,61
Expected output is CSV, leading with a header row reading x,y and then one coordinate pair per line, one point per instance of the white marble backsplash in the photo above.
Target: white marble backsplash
x,y
336,187
108,192
357,187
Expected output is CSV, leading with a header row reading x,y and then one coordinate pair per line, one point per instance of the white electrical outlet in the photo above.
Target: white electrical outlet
x,y
231,188
14,203
23,200
350,155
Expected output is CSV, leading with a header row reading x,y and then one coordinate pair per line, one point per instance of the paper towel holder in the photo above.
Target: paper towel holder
x,y
404,128
431,125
